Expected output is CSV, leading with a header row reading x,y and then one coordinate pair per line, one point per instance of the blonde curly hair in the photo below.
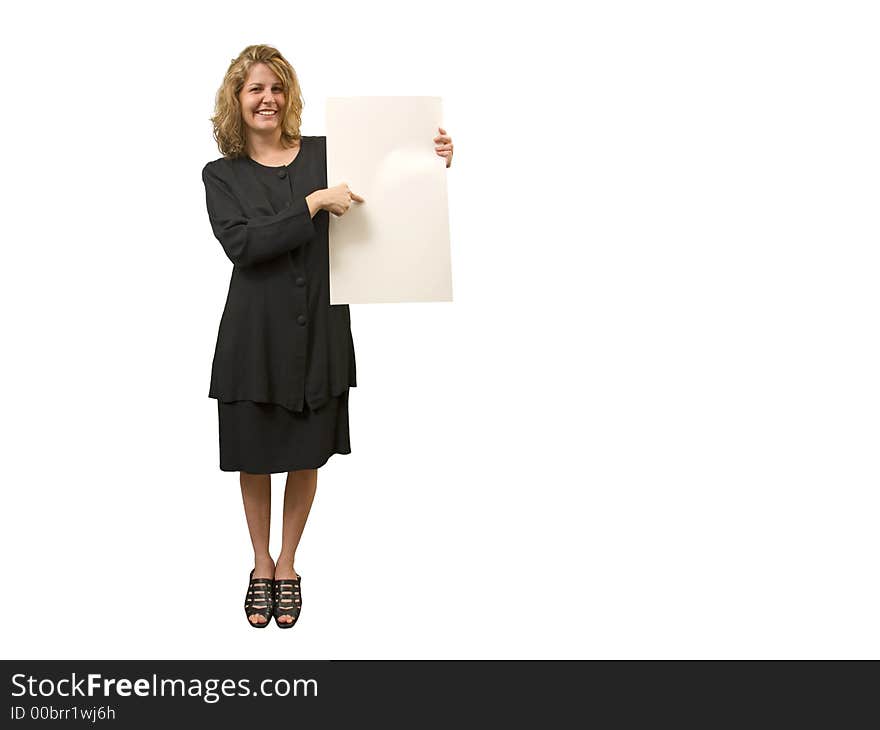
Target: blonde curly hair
x,y
229,127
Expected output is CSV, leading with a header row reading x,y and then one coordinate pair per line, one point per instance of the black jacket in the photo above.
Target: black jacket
x,y
280,340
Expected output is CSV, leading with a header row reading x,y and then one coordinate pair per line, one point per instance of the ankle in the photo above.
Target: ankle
x,y
285,571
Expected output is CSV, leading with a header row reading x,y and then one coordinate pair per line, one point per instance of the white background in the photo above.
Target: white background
x,y
646,427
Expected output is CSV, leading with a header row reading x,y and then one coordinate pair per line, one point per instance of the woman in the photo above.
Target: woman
x,y
284,360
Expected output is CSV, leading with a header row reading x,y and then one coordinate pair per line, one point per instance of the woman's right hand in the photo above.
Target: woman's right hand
x,y
338,199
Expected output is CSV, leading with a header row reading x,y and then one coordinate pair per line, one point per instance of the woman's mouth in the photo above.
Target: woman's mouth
x,y
266,113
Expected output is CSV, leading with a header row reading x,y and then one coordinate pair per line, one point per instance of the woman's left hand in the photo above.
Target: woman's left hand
x,y
444,146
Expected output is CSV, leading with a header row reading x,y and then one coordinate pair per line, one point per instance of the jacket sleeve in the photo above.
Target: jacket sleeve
x,y
249,241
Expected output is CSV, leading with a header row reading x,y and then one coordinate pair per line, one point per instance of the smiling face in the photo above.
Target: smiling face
x,y
262,100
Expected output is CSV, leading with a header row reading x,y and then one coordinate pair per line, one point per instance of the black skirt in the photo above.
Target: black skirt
x,y
267,438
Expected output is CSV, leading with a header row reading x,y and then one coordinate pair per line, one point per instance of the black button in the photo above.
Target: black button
x,y
301,319
282,174
300,281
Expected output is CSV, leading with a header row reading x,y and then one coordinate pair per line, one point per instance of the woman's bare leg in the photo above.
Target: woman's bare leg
x,y
256,493
299,492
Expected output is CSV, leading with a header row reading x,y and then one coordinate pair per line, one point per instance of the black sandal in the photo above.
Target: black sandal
x,y
288,600
258,601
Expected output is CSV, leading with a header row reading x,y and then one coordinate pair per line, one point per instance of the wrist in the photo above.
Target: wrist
x,y
315,202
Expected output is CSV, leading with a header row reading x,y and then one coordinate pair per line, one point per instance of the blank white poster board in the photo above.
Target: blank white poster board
x,y
393,247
